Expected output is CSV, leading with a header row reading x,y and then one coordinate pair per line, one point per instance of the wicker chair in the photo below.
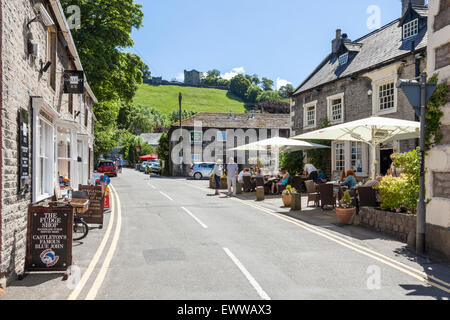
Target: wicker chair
x,y
313,195
248,185
326,195
298,183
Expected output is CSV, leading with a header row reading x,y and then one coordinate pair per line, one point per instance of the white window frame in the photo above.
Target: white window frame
x,y
330,100
348,157
360,147
343,59
305,115
335,153
194,132
376,85
410,29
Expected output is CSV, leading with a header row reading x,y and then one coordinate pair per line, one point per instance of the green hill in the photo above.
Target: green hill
x,y
165,99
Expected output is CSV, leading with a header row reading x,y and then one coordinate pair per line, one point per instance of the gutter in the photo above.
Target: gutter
x,y
59,13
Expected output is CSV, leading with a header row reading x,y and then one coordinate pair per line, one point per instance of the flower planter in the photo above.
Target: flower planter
x,y
287,200
346,216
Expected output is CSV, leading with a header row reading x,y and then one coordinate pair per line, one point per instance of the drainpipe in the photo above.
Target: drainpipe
x,y
1,138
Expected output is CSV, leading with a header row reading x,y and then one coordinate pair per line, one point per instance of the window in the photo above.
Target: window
x,y
357,163
410,29
336,108
340,156
343,59
386,96
310,115
222,136
64,157
196,136
196,157
86,114
44,168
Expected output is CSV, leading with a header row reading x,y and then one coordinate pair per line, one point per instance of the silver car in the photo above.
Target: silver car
x,y
201,170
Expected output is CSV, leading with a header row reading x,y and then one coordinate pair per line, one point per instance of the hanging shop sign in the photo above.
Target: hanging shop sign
x,y
95,213
24,153
73,81
49,238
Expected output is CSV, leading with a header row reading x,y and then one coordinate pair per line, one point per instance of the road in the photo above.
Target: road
x,y
173,239
177,241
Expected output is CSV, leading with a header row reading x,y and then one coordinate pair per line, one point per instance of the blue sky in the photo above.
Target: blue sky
x,y
283,39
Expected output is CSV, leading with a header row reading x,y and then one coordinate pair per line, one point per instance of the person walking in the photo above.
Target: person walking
x,y
232,174
218,172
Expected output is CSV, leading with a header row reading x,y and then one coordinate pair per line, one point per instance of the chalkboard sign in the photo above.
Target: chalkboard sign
x,y
95,214
23,153
49,241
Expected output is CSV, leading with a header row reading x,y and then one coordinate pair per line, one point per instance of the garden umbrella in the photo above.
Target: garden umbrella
x,y
279,144
374,131
149,157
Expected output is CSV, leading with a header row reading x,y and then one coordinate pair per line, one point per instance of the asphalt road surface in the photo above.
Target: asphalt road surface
x,y
173,239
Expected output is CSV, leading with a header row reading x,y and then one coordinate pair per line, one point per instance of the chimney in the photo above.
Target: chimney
x,y
336,43
405,4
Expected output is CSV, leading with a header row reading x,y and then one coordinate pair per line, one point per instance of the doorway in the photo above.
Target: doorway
x,y
385,160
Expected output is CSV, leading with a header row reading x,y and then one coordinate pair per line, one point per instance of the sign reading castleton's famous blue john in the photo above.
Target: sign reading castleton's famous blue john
x,y
74,81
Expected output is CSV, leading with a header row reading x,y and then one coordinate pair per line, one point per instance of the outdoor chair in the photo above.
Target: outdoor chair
x,y
248,185
298,183
313,195
366,197
326,195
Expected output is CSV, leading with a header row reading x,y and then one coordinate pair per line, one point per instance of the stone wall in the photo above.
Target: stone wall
x,y
21,79
398,225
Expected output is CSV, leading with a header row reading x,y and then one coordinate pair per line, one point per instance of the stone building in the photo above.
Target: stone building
x,y
46,134
438,160
214,134
357,80
192,78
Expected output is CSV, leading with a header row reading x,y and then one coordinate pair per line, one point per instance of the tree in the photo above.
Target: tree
x,y
293,162
255,79
272,96
175,115
252,93
163,152
239,85
141,124
146,73
278,107
267,84
213,73
286,91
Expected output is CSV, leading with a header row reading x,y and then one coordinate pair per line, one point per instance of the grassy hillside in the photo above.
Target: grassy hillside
x,y
165,99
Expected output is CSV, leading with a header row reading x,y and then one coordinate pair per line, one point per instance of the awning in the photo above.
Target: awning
x,y
149,157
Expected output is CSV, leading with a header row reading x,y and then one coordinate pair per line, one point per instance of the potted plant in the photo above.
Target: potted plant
x,y
286,196
346,211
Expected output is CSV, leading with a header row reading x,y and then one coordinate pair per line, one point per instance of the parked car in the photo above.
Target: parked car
x,y
143,166
107,167
201,170
154,167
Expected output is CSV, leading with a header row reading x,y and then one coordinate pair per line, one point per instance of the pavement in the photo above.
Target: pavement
x,y
168,238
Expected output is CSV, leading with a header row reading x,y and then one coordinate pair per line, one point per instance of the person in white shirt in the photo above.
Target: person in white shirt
x,y
311,172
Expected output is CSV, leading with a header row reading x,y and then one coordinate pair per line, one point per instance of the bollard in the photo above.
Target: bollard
x,y
259,193
239,188
296,202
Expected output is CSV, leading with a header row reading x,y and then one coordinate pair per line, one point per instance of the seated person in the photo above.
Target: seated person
x,y
321,177
259,174
280,186
373,183
351,181
242,174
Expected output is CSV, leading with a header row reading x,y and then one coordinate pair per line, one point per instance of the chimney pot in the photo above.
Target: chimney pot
x,y
338,33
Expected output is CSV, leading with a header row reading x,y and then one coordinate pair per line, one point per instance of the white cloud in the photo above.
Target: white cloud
x,y
180,77
281,83
234,72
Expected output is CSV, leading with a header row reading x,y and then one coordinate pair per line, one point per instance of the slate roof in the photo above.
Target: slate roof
x,y
223,121
380,46
151,138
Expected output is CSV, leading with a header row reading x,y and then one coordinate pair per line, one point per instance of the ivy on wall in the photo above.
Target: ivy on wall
x,y
434,113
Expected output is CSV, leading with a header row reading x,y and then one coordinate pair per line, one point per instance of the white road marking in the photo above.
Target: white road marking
x,y
151,185
195,218
165,195
104,268
247,274
413,272
76,292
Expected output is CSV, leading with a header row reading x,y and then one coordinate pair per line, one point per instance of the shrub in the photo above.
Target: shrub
x,y
398,193
346,201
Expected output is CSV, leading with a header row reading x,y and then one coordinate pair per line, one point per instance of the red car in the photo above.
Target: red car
x,y
108,168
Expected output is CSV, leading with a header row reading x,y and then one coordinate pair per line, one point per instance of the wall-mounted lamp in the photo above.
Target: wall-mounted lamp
x,y
45,68
370,92
78,113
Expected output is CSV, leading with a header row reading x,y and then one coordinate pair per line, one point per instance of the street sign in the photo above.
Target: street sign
x,y
49,238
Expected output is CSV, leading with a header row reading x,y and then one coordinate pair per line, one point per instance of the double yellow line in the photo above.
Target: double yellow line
x,y
417,274
115,210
